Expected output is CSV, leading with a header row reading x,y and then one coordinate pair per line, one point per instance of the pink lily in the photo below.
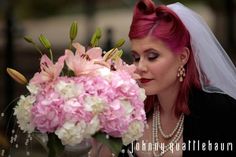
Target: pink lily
x,y
94,53
49,71
121,65
80,65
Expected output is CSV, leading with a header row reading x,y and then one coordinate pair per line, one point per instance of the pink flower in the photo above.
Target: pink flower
x,y
47,114
113,120
96,98
79,65
74,111
138,112
49,71
123,84
120,65
83,62
94,53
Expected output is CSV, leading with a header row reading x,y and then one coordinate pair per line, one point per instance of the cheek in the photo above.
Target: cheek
x,y
159,69
164,71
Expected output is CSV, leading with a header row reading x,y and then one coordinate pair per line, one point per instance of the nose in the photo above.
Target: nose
x,y
141,66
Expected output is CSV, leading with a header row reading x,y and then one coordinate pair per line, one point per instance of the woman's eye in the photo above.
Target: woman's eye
x,y
152,56
136,58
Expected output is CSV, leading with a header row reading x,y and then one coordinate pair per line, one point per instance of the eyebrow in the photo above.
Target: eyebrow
x,y
145,51
133,51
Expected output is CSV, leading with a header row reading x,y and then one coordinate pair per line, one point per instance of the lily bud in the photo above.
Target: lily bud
x,y
119,43
116,54
73,30
113,54
98,33
95,38
45,42
107,55
17,76
120,53
28,39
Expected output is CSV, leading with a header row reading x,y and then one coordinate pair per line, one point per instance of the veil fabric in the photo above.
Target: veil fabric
x,y
216,70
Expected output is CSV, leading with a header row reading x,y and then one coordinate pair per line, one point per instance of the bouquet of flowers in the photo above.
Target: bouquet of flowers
x,y
87,93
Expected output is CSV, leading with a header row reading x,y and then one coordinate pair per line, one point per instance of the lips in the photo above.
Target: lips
x,y
144,80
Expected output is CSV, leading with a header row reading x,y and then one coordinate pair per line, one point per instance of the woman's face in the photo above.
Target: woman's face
x,y
156,64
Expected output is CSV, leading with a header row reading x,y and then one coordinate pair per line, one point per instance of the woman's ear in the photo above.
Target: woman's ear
x,y
184,56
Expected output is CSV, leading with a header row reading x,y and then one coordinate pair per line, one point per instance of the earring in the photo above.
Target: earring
x,y
181,73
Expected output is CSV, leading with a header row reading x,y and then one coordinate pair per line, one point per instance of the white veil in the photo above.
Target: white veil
x,y
217,72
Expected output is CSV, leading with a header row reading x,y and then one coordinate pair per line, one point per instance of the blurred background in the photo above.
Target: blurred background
x,y
51,18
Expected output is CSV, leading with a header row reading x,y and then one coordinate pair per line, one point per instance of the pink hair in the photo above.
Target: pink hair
x,y
162,23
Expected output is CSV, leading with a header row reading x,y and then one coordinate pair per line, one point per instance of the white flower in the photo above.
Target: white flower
x,y
105,73
22,113
128,108
135,131
68,89
142,94
71,133
93,126
94,104
33,88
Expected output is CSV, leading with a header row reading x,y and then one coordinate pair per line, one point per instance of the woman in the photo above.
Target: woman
x,y
189,81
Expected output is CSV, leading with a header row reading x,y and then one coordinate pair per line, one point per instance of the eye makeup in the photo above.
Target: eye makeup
x,y
149,54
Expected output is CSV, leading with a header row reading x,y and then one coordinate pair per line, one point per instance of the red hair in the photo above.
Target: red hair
x,y
162,23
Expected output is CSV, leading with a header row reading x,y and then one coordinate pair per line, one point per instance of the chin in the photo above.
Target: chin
x,y
150,92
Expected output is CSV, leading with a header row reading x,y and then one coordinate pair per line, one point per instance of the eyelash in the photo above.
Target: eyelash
x,y
135,58
150,57
153,57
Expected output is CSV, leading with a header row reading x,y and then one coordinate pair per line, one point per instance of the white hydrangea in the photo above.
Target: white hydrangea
x,y
105,73
22,113
142,94
135,131
93,126
71,133
128,108
33,89
94,104
68,89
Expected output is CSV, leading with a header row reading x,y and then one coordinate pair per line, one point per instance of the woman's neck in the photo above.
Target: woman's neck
x,y
167,100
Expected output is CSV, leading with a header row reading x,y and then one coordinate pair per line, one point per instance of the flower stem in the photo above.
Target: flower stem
x,y
51,56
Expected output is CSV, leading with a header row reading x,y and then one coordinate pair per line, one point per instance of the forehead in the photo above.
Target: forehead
x,y
142,44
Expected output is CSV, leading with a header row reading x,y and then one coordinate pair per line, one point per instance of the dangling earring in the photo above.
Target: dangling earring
x,y
181,73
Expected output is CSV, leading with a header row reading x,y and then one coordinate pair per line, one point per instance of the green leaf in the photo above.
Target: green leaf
x,y
114,144
73,30
54,145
